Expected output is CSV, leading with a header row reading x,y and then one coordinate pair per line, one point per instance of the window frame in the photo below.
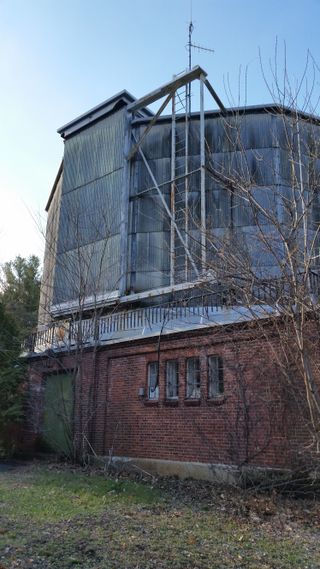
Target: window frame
x,y
153,393
176,383
216,387
195,393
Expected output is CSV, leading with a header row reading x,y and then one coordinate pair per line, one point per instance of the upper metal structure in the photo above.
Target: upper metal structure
x,y
177,211
141,195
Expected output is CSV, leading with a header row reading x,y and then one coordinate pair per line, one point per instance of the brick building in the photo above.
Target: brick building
x,y
163,290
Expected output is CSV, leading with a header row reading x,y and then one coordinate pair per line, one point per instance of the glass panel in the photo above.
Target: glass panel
x,y
216,386
193,378
172,379
153,384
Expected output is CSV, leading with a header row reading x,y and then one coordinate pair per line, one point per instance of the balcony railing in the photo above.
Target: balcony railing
x,y
221,307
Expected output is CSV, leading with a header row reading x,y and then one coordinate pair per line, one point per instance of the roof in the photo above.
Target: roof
x,y
238,111
117,101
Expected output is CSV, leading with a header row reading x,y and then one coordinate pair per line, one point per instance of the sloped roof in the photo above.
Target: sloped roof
x,y
117,101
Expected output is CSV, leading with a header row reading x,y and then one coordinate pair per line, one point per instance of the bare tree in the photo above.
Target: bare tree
x,y
273,267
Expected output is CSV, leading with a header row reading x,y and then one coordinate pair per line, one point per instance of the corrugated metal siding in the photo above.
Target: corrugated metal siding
x,y
49,265
151,215
238,132
88,270
152,251
88,260
253,149
91,213
94,152
161,169
151,280
258,150
158,142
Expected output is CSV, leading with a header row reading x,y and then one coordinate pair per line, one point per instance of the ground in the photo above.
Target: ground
x,y
59,517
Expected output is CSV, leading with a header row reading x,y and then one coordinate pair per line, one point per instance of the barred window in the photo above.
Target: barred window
x,y
193,378
215,376
172,379
153,382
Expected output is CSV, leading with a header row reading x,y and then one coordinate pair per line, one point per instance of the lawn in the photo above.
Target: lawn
x,y
59,517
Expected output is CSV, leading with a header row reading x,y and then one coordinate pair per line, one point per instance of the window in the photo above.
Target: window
x,y
215,376
153,383
172,379
193,378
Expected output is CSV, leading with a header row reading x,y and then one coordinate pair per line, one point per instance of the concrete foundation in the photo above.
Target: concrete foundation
x,y
219,473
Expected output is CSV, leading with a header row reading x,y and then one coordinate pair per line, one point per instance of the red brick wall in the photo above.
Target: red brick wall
x,y
248,424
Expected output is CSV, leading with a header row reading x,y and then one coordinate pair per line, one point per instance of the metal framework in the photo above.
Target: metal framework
x,y
177,205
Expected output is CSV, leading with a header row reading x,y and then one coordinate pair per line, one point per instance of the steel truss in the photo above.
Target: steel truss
x,y
180,180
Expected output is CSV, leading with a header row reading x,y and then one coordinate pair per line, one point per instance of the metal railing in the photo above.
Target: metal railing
x,y
198,310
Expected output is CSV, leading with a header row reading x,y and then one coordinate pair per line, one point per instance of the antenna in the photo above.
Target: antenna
x,y
194,45
190,46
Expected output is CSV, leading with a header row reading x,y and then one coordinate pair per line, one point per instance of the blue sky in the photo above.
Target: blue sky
x,y
59,58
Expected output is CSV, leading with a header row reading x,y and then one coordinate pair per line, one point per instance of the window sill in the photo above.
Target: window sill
x,y
151,402
192,402
171,402
216,401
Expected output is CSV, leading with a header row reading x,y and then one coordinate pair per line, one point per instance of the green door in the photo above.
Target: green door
x,y
58,413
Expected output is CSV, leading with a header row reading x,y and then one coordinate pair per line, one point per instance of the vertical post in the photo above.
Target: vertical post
x,y
186,180
124,221
202,177
172,190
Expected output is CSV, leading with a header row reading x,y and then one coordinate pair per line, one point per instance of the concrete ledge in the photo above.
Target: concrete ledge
x,y
221,473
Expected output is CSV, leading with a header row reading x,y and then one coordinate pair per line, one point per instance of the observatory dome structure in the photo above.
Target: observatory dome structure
x,y
143,201
182,252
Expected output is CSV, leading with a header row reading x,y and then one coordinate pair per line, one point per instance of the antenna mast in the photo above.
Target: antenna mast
x,y
192,46
191,28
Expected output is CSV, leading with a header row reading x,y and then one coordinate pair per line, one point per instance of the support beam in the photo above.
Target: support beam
x,y
167,209
186,173
135,147
202,178
214,94
176,179
124,221
173,191
178,82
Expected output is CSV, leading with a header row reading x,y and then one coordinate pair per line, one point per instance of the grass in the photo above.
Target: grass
x,y
56,518
47,496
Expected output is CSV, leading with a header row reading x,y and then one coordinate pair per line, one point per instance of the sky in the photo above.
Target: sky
x,y
59,58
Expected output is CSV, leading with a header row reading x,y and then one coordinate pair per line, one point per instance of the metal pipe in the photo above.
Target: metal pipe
x,y
202,176
124,223
172,193
186,172
164,183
